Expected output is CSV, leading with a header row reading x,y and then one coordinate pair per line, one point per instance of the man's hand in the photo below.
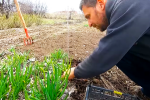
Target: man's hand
x,y
71,76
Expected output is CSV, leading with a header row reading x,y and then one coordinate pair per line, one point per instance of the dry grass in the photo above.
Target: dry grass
x,y
14,21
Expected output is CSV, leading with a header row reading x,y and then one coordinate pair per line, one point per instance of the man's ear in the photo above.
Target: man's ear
x,y
101,3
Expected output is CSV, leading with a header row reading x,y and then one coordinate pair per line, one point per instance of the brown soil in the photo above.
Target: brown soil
x,y
75,39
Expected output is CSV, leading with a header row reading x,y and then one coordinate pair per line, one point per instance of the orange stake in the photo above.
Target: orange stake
x,y
28,40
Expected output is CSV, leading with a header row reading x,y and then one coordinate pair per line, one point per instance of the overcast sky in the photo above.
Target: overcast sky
x,y
60,5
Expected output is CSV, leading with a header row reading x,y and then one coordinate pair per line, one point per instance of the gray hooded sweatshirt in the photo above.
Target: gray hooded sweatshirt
x,y
128,31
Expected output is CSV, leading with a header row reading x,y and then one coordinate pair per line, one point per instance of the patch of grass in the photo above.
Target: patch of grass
x,y
53,21
35,80
15,22
48,21
86,25
4,84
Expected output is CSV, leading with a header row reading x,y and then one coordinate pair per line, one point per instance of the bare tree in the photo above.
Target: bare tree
x,y
2,6
26,7
40,8
29,7
71,12
8,8
5,7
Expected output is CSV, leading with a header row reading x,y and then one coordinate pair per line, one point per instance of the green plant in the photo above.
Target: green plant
x,y
36,93
53,86
35,80
19,72
59,55
86,25
20,80
4,85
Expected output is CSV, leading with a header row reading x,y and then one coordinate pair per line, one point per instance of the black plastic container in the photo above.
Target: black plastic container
x,y
98,93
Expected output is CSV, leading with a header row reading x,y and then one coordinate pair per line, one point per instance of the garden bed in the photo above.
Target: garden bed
x,y
79,42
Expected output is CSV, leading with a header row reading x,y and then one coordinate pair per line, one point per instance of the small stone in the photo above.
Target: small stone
x,y
63,96
45,64
71,90
32,59
66,91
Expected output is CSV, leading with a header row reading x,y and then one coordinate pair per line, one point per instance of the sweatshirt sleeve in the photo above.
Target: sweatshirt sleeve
x,y
128,22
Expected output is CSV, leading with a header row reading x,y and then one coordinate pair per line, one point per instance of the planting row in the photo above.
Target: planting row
x,y
22,77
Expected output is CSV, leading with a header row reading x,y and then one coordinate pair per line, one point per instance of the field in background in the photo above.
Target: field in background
x,y
56,18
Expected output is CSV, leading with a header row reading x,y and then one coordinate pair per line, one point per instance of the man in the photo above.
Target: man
x,y
126,44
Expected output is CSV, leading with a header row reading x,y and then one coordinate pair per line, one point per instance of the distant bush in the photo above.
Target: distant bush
x,y
15,22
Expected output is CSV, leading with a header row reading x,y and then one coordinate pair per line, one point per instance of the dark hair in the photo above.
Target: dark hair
x,y
88,3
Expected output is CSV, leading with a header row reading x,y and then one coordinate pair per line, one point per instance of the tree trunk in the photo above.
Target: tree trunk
x,y
2,7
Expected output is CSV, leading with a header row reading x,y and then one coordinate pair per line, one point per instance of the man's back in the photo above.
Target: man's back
x,y
130,31
127,8
142,46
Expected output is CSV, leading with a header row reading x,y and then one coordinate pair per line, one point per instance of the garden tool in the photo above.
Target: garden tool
x,y
28,39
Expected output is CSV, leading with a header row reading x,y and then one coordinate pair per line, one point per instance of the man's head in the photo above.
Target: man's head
x,y
94,11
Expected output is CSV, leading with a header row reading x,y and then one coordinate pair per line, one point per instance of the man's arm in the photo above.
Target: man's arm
x,y
128,23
